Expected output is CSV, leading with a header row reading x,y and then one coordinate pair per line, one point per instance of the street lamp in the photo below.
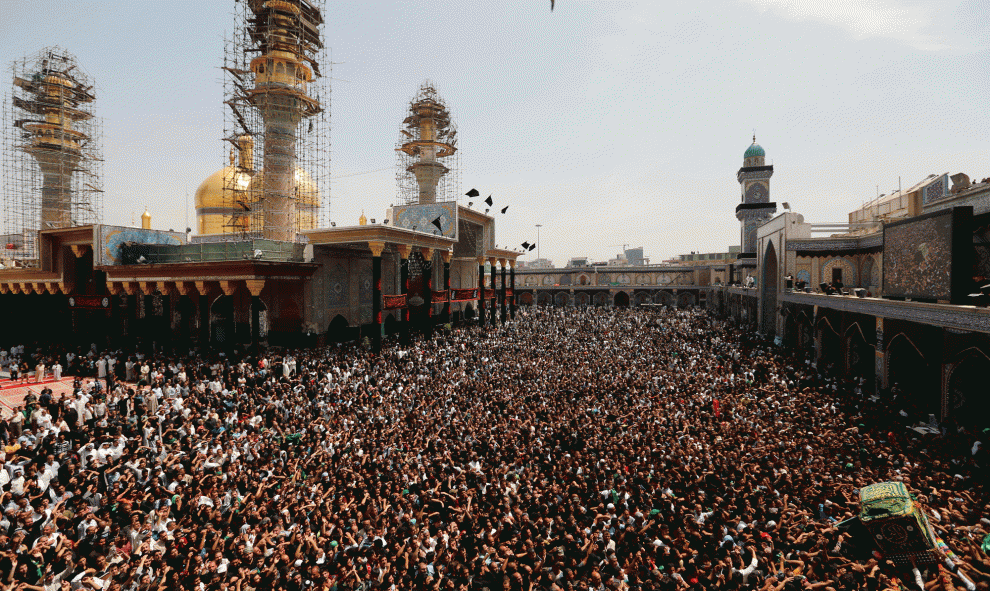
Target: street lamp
x,y
538,226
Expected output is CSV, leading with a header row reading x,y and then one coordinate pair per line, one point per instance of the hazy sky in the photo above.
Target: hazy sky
x,y
608,122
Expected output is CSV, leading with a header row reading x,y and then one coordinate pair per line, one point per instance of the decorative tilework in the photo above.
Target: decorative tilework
x,y
936,190
422,216
337,284
835,245
757,193
956,317
848,271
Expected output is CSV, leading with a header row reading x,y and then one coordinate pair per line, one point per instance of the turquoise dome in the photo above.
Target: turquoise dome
x,y
755,151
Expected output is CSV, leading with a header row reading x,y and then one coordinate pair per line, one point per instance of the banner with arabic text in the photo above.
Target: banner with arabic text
x,y
393,302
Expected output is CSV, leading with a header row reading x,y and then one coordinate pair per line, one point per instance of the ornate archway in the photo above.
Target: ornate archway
x,y
621,300
768,292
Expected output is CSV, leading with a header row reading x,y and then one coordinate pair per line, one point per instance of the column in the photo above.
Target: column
x,y
880,359
132,295
494,318
254,286
501,262
512,285
447,255
187,293
404,251
428,288
481,292
203,303
376,295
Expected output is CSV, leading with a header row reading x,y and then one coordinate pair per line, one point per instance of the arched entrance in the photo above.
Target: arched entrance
x,y
391,325
188,319
560,300
526,298
685,300
768,292
860,356
909,374
582,299
621,300
968,402
830,353
222,321
339,329
601,298
642,298
544,299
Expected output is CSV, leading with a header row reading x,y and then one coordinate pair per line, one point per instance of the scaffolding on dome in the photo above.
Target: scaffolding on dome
x,y
277,122
428,134
52,151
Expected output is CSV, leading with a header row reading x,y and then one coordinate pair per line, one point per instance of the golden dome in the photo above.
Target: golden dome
x,y
362,221
217,201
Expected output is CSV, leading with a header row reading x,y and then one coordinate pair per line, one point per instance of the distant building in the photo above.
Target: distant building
x,y
634,256
707,258
535,264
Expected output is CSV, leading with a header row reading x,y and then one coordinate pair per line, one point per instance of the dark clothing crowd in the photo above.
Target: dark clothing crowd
x,y
569,450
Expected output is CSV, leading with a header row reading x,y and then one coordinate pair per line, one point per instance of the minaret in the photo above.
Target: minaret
x,y
53,100
756,207
432,136
286,35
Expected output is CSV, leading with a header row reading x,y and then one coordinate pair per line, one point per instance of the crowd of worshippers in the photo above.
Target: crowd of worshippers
x,y
569,450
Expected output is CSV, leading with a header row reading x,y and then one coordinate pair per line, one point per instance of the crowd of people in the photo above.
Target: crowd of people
x,y
569,450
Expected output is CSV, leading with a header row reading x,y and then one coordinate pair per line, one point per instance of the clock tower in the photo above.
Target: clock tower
x,y
756,207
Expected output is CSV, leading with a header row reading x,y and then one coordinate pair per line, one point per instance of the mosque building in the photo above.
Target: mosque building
x,y
262,265
898,297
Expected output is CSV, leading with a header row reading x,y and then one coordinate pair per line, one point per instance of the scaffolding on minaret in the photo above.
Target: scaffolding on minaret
x,y
52,152
277,120
428,163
